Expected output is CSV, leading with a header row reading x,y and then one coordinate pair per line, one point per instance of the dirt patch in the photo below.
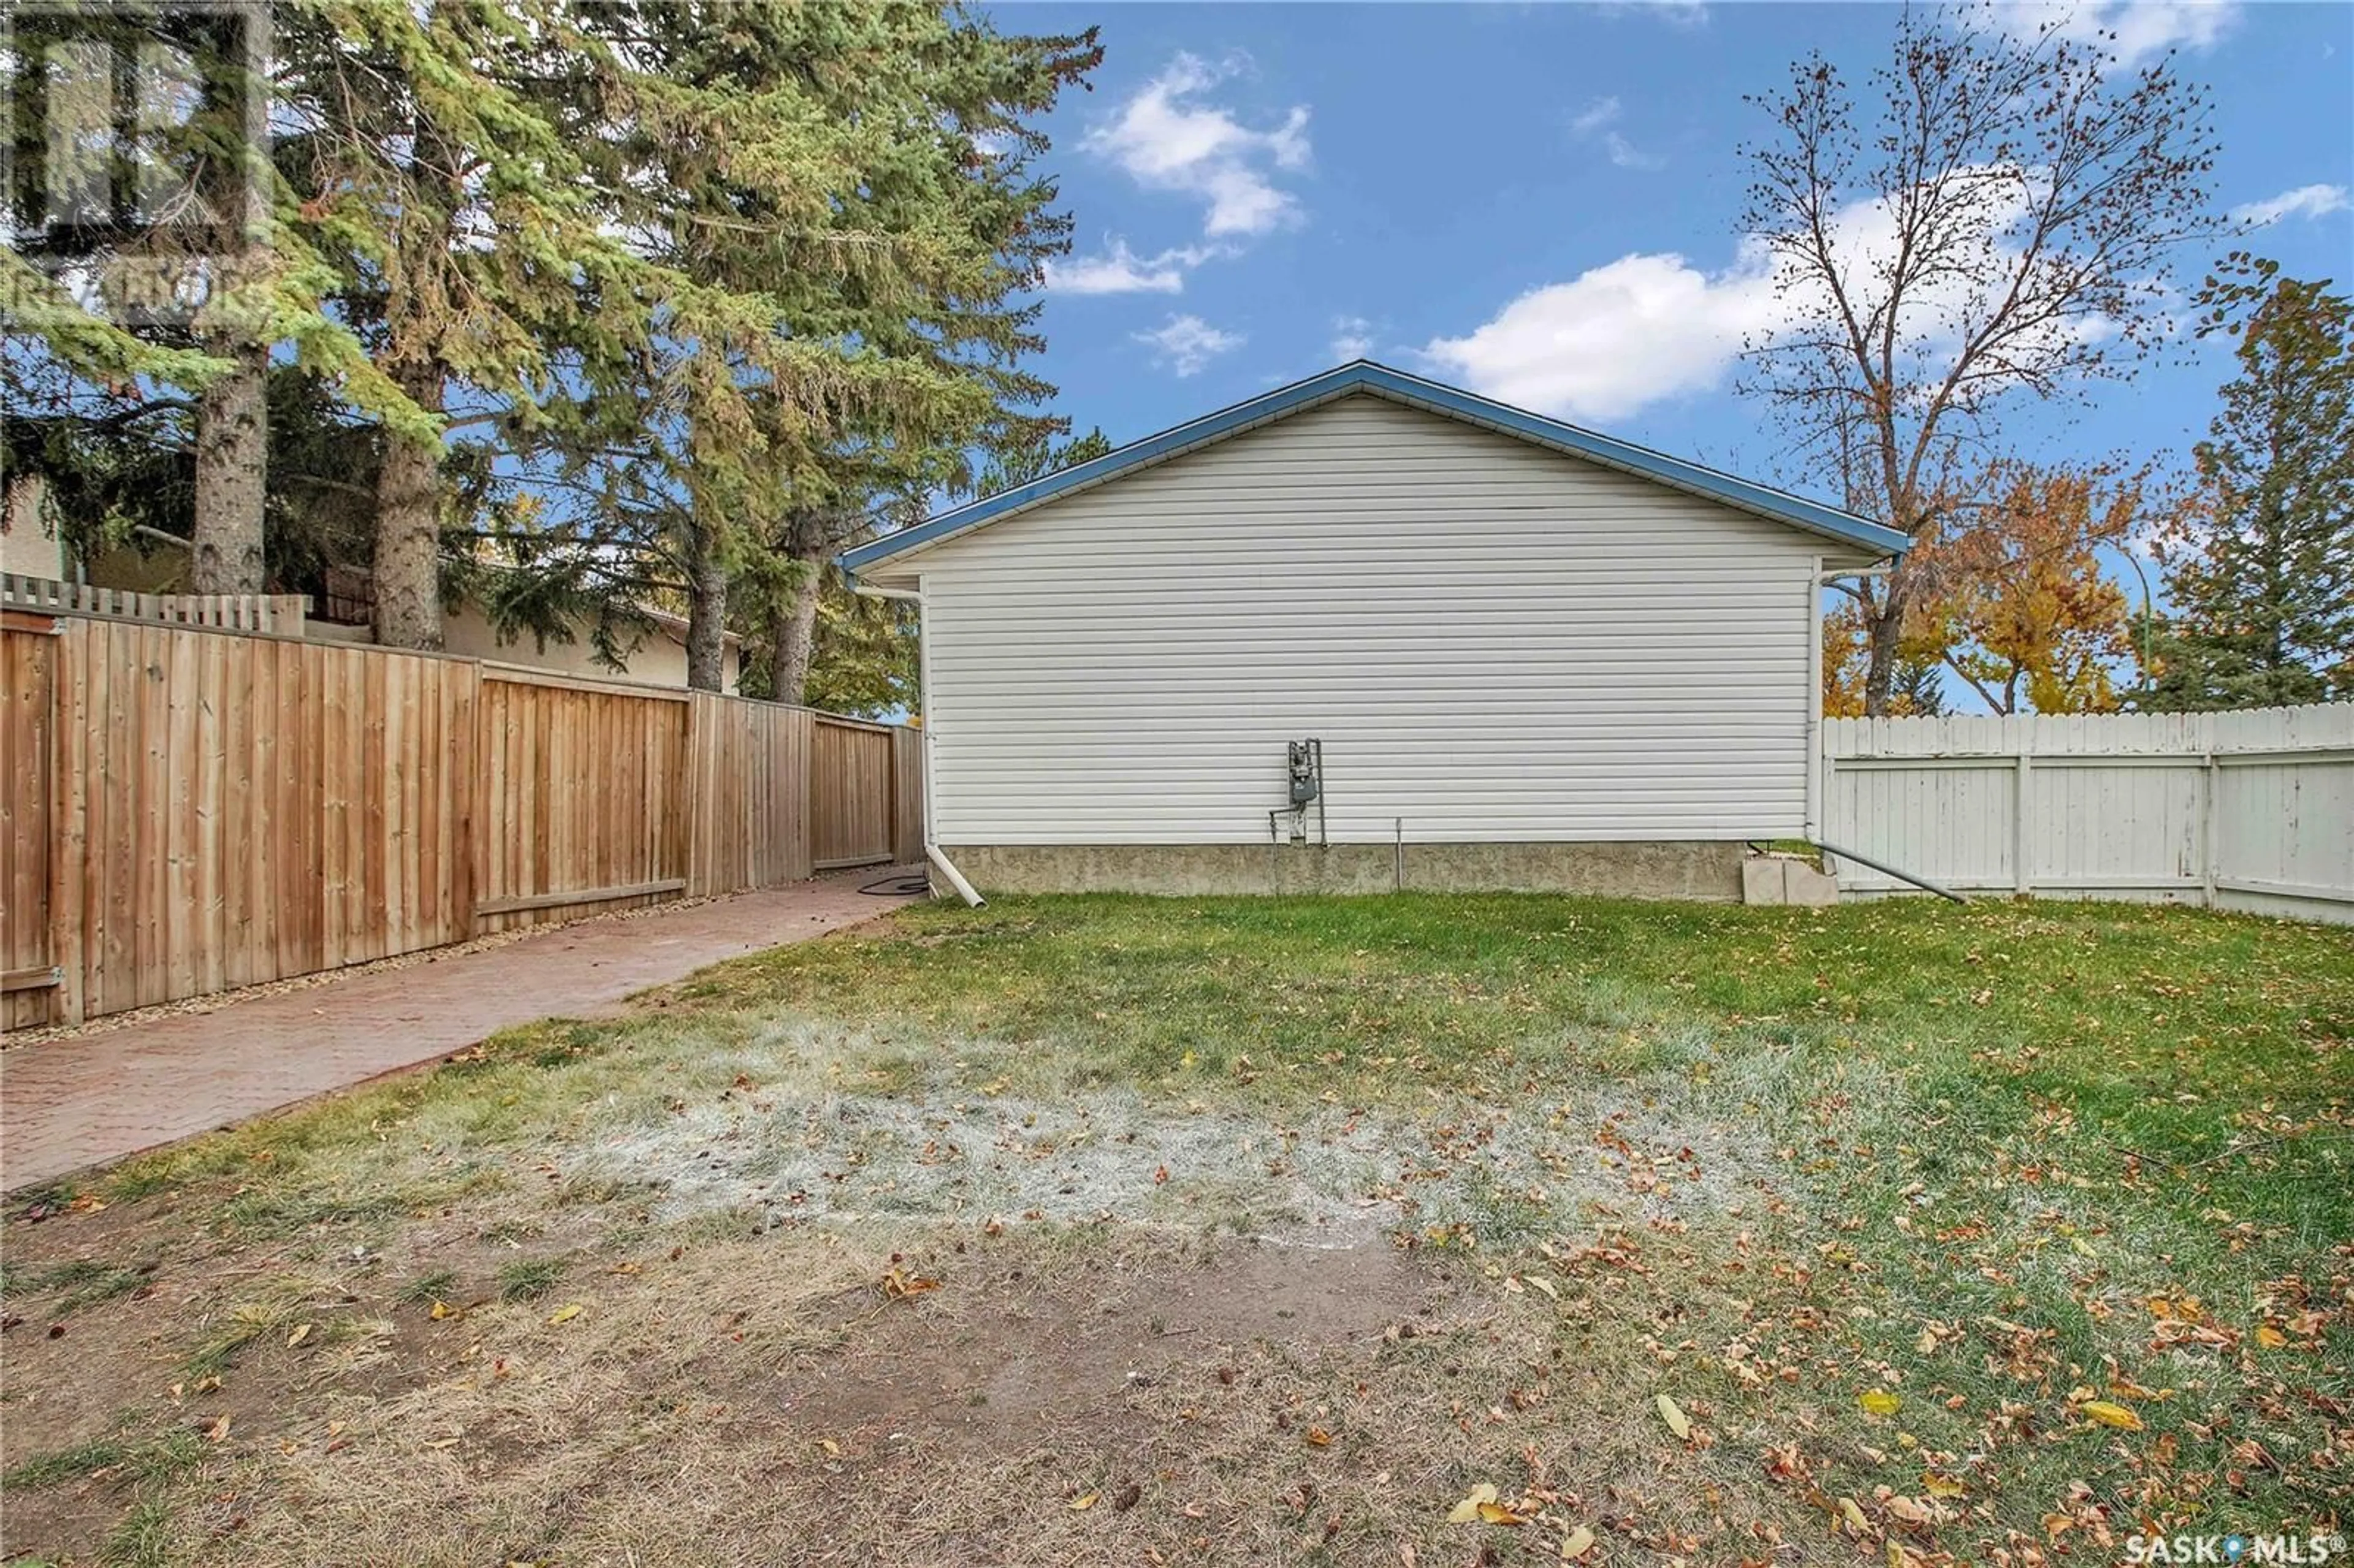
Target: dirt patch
x,y
711,1390
1007,1356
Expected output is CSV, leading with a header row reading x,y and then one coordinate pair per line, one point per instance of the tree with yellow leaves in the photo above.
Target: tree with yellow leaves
x,y
2020,609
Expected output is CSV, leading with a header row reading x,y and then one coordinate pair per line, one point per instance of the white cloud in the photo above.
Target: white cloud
x,y
1614,339
1601,115
2306,201
1353,338
1186,344
1120,270
1685,14
1651,326
1595,115
1167,139
1624,154
2143,30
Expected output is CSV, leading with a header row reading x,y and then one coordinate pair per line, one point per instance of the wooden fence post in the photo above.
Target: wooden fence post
x,y
695,805
70,860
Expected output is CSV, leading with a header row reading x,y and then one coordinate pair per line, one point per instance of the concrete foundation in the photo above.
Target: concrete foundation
x,y
1680,869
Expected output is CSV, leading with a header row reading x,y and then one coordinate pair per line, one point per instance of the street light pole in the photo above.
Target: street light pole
x,y
2148,609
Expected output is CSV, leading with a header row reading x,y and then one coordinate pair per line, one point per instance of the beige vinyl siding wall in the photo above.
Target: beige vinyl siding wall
x,y
1495,643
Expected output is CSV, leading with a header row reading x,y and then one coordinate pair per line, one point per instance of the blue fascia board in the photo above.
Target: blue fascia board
x,y
1366,375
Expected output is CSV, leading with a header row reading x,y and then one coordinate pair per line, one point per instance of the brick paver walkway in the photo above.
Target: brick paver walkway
x,y
72,1103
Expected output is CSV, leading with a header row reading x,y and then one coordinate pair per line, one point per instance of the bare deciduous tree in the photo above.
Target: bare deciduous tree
x,y
2003,226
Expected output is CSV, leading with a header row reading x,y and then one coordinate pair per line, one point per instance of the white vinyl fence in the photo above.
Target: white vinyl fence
x,y
2248,810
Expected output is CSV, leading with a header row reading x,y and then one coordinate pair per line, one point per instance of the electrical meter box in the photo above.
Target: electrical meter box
x,y
1305,765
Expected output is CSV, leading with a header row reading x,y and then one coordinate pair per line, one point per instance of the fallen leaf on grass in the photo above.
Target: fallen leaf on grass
x,y
1852,1516
443,1310
1672,1414
1541,1283
565,1314
1938,1486
898,1284
1467,1511
1878,1402
2115,1416
1319,1438
1576,1543
302,1332
1087,1501
2272,1339
218,1430
1483,1507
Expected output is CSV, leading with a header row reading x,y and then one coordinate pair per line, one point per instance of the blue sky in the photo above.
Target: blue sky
x,y
1539,203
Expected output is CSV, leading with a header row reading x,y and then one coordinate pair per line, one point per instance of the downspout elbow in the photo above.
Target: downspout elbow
x,y
947,868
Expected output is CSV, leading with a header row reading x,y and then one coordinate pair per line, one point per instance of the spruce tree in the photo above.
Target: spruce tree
x,y
847,197
2261,580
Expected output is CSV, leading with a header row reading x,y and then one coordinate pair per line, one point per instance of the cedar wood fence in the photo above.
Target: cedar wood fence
x,y
192,810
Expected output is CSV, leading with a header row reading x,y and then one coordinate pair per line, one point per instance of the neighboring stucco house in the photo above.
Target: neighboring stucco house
x,y
660,658
1532,656
158,563
29,542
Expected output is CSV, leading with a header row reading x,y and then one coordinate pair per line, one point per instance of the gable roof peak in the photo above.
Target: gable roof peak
x,y
1398,386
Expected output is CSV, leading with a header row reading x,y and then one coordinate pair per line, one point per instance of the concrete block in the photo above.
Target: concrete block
x,y
1803,885
1761,880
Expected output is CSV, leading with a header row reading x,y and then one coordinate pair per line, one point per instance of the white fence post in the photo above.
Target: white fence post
x,y
2210,777
2023,881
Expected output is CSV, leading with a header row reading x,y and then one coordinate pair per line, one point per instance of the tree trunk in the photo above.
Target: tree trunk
x,y
793,625
232,435
232,471
1883,632
707,613
408,531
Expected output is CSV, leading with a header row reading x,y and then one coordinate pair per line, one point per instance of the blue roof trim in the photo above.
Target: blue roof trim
x,y
1366,375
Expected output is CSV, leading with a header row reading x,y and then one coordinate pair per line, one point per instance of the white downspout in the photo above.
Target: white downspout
x,y
1814,728
932,851
947,868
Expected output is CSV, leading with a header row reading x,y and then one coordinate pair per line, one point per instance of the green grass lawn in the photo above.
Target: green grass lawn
x,y
1951,1235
